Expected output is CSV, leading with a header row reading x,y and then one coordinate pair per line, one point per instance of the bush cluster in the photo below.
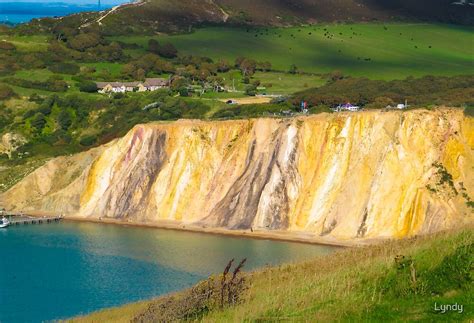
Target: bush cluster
x,y
429,90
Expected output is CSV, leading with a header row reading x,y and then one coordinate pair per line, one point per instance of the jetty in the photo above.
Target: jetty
x,y
24,219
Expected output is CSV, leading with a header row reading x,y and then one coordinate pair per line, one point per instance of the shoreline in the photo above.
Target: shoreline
x,y
283,236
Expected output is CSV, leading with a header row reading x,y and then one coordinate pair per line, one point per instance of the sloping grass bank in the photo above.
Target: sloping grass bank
x,y
398,280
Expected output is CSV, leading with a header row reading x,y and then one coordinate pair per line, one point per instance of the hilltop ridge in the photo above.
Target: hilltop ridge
x,y
151,16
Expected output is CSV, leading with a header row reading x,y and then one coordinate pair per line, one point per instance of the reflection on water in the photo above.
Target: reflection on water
x,y
62,270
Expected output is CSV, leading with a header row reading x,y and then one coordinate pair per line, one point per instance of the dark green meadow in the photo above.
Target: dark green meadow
x,y
375,51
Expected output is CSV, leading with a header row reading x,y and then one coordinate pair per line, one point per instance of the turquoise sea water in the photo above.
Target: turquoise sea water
x,y
15,12
65,269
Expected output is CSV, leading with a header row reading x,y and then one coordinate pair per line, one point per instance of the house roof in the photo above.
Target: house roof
x,y
155,82
148,82
102,85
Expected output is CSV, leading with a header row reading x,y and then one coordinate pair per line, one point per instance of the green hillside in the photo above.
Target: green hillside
x,y
375,51
150,16
395,281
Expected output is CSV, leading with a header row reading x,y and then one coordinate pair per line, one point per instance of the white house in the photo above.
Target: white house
x,y
150,84
347,107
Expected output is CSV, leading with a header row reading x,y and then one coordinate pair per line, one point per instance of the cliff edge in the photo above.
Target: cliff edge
x,y
350,175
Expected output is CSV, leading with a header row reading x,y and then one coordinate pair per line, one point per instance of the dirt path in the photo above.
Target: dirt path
x,y
105,14
225,15
250,100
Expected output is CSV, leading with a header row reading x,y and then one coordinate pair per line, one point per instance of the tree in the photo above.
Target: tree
x,y
87,86
223,66
153,46
33,61
111,53
38,122
82,42
251,90
140,74
238,61
128,70
163,66
57,52
380,102
335,76
178,82
166,50
247,67
183,91
64,120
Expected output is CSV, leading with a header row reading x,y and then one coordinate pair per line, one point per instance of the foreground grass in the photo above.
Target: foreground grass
x,y
365,284
376,51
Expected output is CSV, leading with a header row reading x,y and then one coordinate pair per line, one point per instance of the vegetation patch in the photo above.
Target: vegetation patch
x,y
375,51
419,92
395,280
217,292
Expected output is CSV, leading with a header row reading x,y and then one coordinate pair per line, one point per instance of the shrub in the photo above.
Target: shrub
x,y
214,293
38,122
293,69
166,50
425,91
83,41
65,68
87,86
64,120
52,84
4,45
184,91
6,92
87,70
469,111
88,141
251,90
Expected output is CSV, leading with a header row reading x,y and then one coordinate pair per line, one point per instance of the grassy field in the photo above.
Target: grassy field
x,y
36,43
284,83
114,69
38,75
370,50
365,284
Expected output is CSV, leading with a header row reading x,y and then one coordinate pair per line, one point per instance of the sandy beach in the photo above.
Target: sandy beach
x,y
300,237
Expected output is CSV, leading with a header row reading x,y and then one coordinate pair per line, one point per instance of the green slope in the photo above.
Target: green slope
x,y
356,285
369,50
149,16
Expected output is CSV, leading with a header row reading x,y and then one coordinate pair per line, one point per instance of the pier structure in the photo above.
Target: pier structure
x,y
24,219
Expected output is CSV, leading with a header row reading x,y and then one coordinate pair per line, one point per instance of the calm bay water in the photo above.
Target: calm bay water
x,y
15,12
62,270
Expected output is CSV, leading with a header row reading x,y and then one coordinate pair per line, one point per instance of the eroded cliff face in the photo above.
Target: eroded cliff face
x,y
350,175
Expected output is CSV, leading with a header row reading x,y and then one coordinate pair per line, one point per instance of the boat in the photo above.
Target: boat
x,y
4,222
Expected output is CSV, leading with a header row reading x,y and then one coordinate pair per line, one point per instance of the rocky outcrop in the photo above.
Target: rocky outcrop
x,y
10,143
349,175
